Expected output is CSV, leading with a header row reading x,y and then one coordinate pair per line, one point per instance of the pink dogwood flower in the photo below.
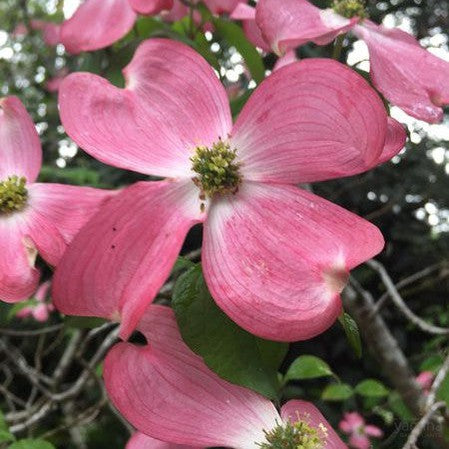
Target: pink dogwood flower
x,y
167,392
275,257
97,24
221,6
360,433
247,14
151,7
53,84
425,379
181,10
50,30
405,73
33,216
141,441
41,310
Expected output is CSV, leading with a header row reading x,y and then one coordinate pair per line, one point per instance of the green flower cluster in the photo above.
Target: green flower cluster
x,y
13,194
350,8
217,168
298,435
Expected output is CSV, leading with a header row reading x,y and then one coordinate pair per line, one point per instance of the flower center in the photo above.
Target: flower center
x,y
13,194
217,169
350,8
297,435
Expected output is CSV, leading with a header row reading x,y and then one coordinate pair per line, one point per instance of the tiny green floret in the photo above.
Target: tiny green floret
x,y
298,435
217,169
350,8
13,194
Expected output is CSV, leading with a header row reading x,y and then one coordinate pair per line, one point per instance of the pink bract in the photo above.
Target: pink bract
x,y
275,257
97,24
151,7
167,392
141,441
359,432
405,73
298,22
247,14
51,215
221,6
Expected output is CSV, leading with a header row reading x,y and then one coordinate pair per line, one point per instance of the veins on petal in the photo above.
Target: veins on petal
x,y
13,194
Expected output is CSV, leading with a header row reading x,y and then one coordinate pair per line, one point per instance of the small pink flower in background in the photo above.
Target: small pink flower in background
x,y
360,433
50,31
20,30
141,441
33,216
166,391
53,84
41,310
275,257
425,379
405,73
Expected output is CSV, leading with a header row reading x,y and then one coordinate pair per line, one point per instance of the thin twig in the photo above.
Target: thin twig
x,y
407,281
400,303
422,424
442,373
31,333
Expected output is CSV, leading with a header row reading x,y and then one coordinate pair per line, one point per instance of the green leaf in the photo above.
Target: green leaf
x,y
352,333
82,322
31,444
443,392
202,46
6,436
238,103
182,264
337,392
231,352
371,388
3,425
432,363
308,367
272,352
146,26
16,308
399,408
235,36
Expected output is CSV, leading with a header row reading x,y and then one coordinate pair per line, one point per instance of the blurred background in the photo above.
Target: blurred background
x,y
407,198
